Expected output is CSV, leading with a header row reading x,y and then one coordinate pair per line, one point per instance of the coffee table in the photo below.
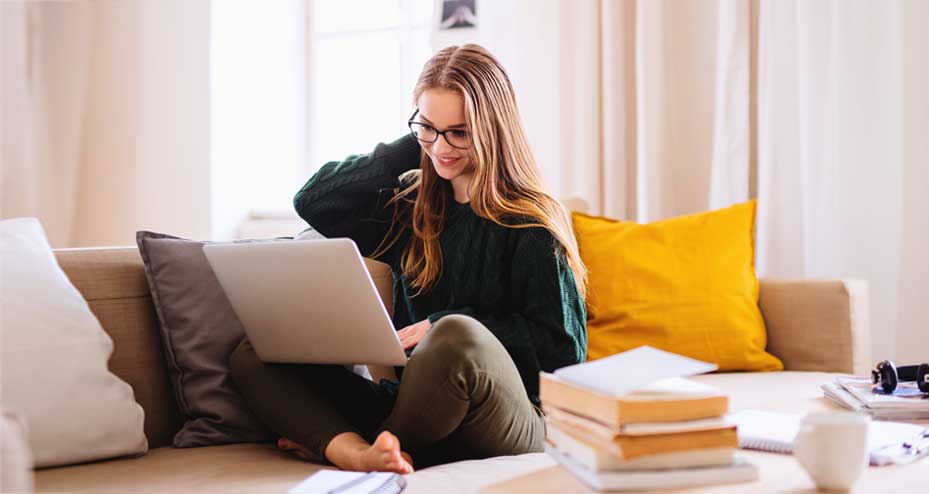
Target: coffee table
x,y
777,473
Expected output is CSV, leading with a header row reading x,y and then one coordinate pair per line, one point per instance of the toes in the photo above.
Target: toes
x,y
389,455
391,458
293,448
386,441
285,443
402,467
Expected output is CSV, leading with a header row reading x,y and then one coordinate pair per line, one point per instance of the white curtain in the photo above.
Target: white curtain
x,y
641,107
45,49
105,118
655,108
843,166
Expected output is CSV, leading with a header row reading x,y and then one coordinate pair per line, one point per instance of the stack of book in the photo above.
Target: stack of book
x,y
907,402
671,433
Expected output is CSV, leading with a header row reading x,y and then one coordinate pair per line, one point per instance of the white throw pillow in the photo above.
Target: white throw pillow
x,y
15,457
53,371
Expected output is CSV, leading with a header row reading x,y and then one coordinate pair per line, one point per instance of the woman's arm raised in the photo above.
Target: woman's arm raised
x,y
346,198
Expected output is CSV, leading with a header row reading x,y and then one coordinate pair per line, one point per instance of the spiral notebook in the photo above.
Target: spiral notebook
x,y
774,432
342,482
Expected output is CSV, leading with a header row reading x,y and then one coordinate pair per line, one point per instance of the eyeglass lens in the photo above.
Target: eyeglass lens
x,y
425,133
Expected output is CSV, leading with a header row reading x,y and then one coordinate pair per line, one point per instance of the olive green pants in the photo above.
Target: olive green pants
x,y
460,397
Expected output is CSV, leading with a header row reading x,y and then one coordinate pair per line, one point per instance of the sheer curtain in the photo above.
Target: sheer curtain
x,y
45,50
105,118
650,109
641,107
843,162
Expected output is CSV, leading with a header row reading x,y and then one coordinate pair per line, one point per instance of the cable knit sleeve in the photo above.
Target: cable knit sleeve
x,y
347,198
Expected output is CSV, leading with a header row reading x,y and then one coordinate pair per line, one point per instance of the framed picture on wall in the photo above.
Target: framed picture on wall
x,y
458,14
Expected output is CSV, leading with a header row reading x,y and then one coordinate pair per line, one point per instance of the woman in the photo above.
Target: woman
x,y
488,286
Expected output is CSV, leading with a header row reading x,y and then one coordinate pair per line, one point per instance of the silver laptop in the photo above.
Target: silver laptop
x,y
307,301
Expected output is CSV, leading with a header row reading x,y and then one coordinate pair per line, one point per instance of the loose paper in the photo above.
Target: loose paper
x,y
624,372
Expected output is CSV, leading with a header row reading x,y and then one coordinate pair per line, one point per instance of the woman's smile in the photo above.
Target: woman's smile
x,y
449,161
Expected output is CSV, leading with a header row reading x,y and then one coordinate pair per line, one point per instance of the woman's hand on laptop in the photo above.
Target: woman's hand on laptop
x,y
411,335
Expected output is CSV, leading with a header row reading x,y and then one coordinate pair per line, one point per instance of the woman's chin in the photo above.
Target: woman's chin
x,y
445,172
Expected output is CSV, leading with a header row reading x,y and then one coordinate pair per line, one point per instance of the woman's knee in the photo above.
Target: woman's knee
x,y
458,336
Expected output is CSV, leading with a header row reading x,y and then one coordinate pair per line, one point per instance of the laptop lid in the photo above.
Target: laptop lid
x,y
306,301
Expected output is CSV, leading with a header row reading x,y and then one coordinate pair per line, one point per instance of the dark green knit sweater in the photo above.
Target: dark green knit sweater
x,y
510,279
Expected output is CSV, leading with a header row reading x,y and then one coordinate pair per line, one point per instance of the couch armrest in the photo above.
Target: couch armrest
x,y
384,282
817,325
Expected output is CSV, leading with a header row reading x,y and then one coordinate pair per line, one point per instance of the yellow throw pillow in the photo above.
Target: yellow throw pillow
x,y
686,285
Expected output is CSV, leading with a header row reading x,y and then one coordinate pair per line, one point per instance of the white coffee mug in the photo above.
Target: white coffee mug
x,y
833,448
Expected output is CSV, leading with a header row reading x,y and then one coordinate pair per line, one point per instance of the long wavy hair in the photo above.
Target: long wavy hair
x,y
506,184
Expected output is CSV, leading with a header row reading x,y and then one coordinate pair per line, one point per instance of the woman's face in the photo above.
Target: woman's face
x,y
442,110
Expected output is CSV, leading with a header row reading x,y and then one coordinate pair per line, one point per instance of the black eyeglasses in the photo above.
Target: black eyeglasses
x,y
456,138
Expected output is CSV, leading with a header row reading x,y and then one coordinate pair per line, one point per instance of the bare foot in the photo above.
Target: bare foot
x,y
350,451
296,449
385,456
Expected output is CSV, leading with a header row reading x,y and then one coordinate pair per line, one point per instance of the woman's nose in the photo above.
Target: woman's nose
x,y
441,146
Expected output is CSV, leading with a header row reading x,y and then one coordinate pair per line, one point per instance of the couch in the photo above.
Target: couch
x,y
816,327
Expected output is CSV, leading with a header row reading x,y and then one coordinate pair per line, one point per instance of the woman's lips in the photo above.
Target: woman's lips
x,y
447,162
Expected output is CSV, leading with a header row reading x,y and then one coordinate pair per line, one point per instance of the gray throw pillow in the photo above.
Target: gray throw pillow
x,y
199,330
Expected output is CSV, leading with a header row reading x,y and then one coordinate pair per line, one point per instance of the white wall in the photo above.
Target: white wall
x,y
146,145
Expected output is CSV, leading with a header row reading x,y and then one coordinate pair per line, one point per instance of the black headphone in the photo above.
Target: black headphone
x,y
887,375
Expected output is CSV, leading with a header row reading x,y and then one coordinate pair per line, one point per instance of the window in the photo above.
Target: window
x,y
296,83
367,55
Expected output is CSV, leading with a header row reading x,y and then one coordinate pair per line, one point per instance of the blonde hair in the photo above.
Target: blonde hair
x,y
506,182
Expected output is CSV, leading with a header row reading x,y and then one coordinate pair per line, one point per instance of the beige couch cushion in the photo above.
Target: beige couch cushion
x,y
258,468
818,325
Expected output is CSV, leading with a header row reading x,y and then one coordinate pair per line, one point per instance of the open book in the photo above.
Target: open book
x,y
624,372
